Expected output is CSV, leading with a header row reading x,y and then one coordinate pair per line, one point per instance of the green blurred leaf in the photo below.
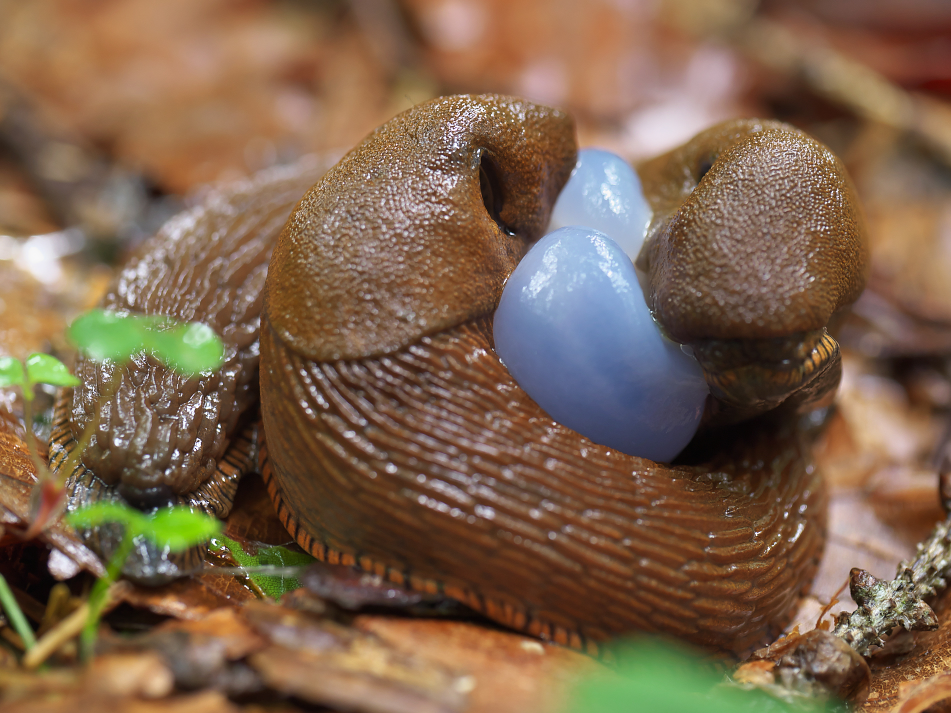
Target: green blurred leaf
x,y
103,512
189,349
273,586
102,335
179,528
46,369
656,676
11,372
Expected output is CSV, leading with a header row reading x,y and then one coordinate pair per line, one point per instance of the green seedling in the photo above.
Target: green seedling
x,y
48,496
175,528
655,675
191,349
37,369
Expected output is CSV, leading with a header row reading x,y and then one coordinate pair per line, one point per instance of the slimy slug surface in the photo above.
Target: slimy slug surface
x,y
395,440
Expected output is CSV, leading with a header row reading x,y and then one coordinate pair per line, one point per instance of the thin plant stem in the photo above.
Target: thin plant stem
x,y
42,472
15,614
98,598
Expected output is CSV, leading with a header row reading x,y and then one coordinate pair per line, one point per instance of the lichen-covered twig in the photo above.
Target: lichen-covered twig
x,y
884,605
815,665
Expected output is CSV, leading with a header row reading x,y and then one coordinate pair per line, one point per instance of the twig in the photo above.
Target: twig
x,y
49,643
827,72
884,605
847,82
819,663
65,630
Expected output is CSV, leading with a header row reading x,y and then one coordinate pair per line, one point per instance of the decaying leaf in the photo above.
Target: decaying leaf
x,y
17,477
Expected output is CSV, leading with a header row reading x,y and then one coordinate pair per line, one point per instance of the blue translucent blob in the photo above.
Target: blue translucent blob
x,y
573,330
604,193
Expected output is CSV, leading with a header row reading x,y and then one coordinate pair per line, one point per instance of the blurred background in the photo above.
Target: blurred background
x,y
107,107
114,114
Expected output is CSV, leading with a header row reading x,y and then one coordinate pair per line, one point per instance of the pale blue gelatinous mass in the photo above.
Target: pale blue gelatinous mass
x,y
574,331
604,193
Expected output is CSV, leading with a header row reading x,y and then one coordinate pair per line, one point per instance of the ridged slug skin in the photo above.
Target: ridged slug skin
x,y
406,448
432,467
162,435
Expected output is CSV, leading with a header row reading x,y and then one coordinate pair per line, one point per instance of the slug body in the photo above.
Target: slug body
x,y
397,441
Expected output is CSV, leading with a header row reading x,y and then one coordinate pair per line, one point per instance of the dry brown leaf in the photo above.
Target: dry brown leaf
x,y
192,598
920,696
507,672
329,664
355,682
141,675
17,476
905,499
198,654
194,91
70,701
228,626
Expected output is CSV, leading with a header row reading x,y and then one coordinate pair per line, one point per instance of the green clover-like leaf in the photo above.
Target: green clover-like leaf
x,y
102,512
273,586
179,528
46,369
11,372
102,335
189,349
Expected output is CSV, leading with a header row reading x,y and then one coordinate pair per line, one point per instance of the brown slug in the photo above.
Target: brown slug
x,y
397,441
